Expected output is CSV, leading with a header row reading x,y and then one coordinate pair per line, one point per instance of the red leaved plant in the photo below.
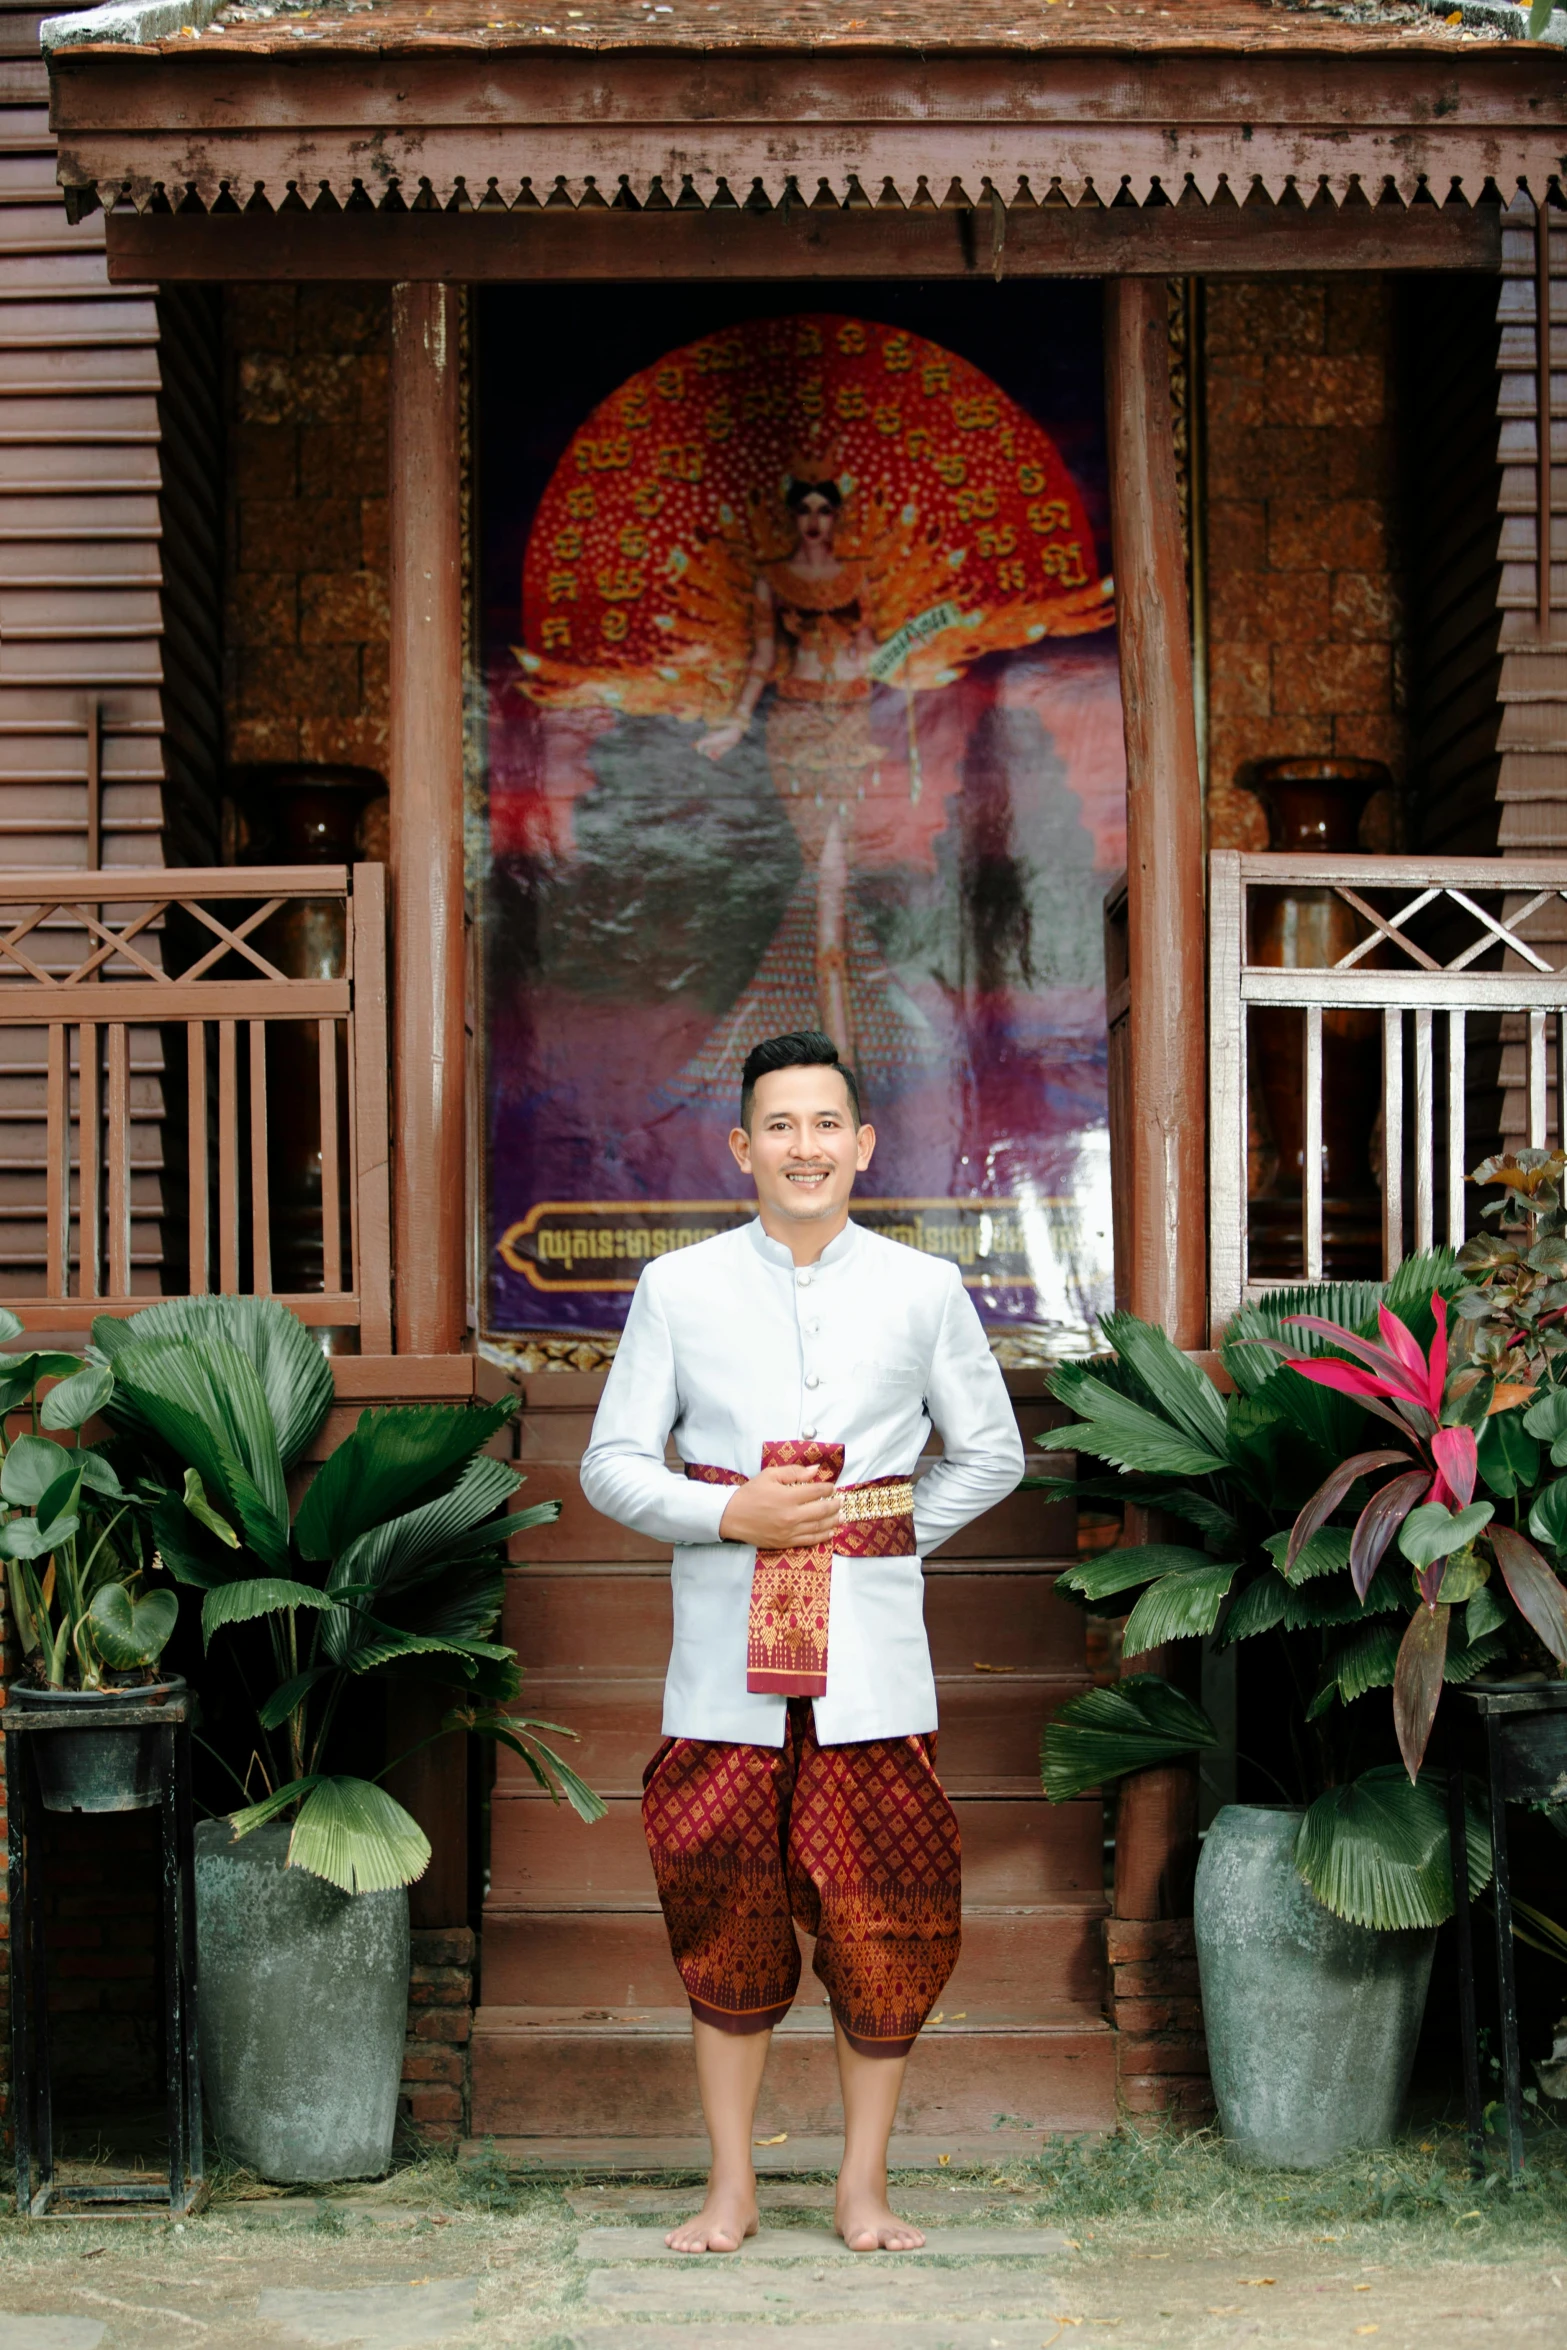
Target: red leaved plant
x,y
1437,1468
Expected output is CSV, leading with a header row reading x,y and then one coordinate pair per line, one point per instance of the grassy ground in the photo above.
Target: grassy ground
x,y
1173,2243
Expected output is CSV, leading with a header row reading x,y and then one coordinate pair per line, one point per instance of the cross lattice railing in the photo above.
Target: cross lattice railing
x,y
1438,951
263,992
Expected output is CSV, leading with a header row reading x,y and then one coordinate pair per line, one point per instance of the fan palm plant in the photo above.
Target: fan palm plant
x,y
391,1564
1262,1479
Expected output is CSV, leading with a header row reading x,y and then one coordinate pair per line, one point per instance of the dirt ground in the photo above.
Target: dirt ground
x,y
1163,2241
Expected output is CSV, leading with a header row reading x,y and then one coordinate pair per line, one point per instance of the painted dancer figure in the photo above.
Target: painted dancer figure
x,y
800,1362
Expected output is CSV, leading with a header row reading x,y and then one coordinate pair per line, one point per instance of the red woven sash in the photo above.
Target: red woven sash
x,y
786,1638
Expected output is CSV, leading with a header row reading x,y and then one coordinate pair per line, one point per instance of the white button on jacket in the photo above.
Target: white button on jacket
x,y
712,1352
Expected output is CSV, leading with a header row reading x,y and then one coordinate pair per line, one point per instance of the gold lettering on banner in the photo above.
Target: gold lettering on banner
x,y
557,634
808,343
670,383
647,498
1065,564
1048,516
888,419
622,586
614,625
997,542
851,339
973,503
810,399
561,587
606,456
721,356
976,415
635,412
1030,478
678,462
935,376
850,403
580,503
1011,575
567,545
633,542
719,421
952,470
896,356
603,1245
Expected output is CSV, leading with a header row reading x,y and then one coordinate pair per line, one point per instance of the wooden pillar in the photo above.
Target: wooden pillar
x,y
428,961
1166,1134
428,1045
1166,1123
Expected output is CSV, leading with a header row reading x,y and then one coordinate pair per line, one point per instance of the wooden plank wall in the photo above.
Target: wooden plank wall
x,y
1531,768
110,488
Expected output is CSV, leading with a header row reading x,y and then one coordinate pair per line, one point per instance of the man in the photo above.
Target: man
x,y
799,1362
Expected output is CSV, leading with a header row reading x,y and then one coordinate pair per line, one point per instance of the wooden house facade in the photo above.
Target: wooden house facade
x,y
1326,245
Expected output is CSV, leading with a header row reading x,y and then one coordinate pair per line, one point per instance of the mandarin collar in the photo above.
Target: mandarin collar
x,y
775,1253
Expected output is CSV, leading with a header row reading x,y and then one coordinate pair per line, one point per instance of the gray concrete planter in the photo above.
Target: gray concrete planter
x,y
303,2008
1311,2023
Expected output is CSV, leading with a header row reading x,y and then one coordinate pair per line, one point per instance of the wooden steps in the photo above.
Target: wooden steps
x,y
1053,2068
584,2037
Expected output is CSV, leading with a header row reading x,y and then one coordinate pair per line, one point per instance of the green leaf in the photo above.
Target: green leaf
x,y
203,1512
77,1398
1120,1570
184,1557
1186,1393
1507,1453
129,1632
259,1595
1325,1554
1540,13
1178,1607
1546,1418
1259,1608
23,1538
393,1553
519,1732
1462,1664
375,1643
1548,1517
1105,1733
203,1397
1434,1532
32,1465
282,1702
99,1475
1483,1615
60,1500
1376,1851
353,1834
1363,1662
294,1374
390,1460
10,1326
257,1815
1115,1429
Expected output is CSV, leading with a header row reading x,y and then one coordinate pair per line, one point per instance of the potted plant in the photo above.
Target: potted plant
x,y
1316,1919
77,1558
390,1566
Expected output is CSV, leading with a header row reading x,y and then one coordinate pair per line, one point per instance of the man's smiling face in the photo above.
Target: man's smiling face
x,y
803,1150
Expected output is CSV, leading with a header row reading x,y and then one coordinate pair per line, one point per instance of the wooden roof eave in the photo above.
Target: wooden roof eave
x,y
427,122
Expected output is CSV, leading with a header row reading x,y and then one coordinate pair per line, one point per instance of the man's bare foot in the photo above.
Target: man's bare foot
x,y
725,2220
867,2224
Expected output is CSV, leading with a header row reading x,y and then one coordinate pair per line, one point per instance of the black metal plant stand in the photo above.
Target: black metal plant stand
x,y
37,2189
1526,1762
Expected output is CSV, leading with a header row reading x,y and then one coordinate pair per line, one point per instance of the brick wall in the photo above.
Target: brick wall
x,y
435,2097
1306,595
305,622
1156,2008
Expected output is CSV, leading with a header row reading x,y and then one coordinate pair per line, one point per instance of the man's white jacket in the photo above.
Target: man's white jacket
x,y
727,1344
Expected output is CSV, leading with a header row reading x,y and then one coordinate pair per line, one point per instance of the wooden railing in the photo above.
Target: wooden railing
x,y
88,960
1439,943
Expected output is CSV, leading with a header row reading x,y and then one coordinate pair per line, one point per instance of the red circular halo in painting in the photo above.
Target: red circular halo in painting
x,y
669,500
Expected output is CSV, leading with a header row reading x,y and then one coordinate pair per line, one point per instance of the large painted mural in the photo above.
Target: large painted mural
x,y
800,709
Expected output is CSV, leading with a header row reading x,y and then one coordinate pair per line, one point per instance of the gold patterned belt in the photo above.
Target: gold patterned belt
x,y
786,1636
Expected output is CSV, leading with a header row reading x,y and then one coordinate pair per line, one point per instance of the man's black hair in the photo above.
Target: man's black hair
x,y
810,1050
798,491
